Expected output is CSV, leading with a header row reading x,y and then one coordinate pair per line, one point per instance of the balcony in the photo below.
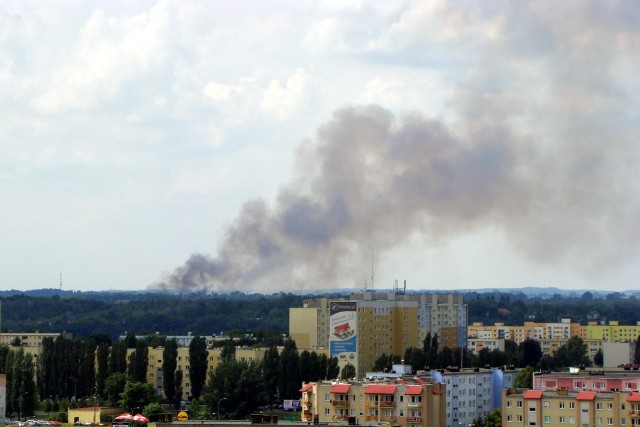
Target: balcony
x,y
414,420
414,405
304,402
387,419
340,403
340,418
387,404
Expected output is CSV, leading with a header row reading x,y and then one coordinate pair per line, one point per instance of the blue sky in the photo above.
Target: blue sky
x,y
266,146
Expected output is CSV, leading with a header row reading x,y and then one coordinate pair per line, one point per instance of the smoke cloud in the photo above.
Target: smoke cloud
x,y
541,147
370,179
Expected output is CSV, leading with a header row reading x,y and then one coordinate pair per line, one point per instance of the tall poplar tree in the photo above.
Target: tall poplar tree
x,y
198,355
169,365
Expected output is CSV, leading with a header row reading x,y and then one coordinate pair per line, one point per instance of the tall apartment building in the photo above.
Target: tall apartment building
x,y
472,393
309,324
410,402
569,408
613,331
358,330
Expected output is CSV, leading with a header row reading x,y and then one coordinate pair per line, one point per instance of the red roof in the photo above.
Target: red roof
x,y
343,327
340,388
532,394
380,389
634,397
413,389
306,387
420,380
586,395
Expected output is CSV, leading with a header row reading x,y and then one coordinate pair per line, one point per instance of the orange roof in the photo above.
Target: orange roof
x,y
586,395
634,397
532,394
420,380
306,387
380,389
340,388
413,389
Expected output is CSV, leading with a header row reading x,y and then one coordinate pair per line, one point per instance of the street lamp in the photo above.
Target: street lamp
x,y
95,402
224,398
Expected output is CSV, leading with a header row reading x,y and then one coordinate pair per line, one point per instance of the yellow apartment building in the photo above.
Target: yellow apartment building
x,y
613,331
155,371
29,339
567,408
403,402
309,324
358,330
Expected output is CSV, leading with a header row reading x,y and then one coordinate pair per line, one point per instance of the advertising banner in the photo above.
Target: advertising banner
x,y
343,332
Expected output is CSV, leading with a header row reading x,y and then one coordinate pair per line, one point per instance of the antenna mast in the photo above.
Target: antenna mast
x,y
60,281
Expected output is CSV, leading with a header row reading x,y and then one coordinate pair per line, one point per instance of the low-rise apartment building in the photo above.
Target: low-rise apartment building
x,y
564,408
598,380
406,402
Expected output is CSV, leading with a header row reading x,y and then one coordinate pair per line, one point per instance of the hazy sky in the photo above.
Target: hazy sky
x,y
265,146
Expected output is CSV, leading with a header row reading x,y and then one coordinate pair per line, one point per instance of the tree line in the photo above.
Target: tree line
x,y
83,314
75,372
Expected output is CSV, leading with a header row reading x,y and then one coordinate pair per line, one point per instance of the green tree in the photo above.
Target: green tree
x,y
102,362
333,370
152,410
270,364
114,386
169,365
493,419
289,371
228,350
177,383
232,385
198,365
118,358
531,352
598,358
524,378
384,362
348,371
572,353
139,362
137,395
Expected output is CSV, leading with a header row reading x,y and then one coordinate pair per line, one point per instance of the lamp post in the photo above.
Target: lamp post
x,y
219,401
95,402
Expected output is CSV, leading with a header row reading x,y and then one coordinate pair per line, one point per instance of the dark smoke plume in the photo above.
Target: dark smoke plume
x,y
543,148
371,180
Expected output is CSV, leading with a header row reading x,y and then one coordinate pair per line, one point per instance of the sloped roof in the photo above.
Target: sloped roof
x,y
340,388
532,394
413,389
634,397
306,387
586,395
380,389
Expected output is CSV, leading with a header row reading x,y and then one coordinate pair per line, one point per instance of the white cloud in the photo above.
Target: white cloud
x,y
281,101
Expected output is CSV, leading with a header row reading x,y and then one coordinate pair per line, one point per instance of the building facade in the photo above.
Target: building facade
x,y
408,403
564,408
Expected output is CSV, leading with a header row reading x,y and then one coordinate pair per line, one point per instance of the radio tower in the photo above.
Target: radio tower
x,y
60,281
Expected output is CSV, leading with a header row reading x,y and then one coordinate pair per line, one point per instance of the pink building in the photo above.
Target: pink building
x,y
588,380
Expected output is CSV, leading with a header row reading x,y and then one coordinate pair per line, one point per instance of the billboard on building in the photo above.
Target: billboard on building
x,y
343,332
3,399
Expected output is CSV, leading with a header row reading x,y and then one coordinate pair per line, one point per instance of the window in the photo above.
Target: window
x,y
599,406
519,418
609,406
572,405
547,404
519,404
561,420
609,421
508,404
327,411
532,409
509,418
546,419
327,397
561,405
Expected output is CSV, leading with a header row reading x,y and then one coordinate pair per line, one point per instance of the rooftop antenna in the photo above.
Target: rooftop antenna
x,y
372,272
60,281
